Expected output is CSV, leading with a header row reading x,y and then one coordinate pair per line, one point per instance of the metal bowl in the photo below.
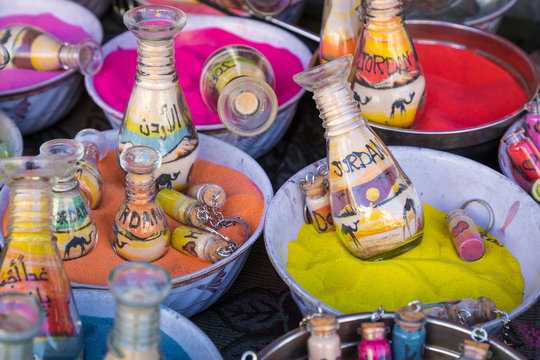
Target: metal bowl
x,y
40,105
444,181
481,139
442,340
259,32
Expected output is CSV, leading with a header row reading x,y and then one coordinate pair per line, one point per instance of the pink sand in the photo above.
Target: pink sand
x,y
114,81
18,78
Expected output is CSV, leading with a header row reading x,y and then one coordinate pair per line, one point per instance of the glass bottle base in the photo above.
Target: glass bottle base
x,y
409,245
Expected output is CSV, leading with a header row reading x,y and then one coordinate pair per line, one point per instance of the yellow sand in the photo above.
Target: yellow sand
x,y
431,272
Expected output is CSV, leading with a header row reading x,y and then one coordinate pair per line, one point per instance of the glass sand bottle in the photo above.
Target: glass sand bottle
x,y
31,262
237,82
139,288
157,114
33,48
75,229
324,342
375,207
388,81
21,317
88,174
140,228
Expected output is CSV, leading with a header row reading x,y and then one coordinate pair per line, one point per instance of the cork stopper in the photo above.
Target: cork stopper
x,y
487,308
318,187
410,320
215,244
193,219
246,103
210,195
476,350
373,331
323,325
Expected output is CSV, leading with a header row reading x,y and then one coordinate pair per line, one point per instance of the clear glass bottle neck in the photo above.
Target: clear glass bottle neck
x,y
383,12
155,64
135,329
91,153
140,187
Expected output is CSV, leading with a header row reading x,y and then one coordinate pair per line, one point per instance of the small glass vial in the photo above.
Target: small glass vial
x,y
523,154
200,244
409,333
30,261
532,122
21,317
237,82
4,57
318,203
324,342
180,207
465,236
140,227
472,350
211,195
374,344
76,232
377,211
32,48
138,288
340,28
388,83
471,312
90,178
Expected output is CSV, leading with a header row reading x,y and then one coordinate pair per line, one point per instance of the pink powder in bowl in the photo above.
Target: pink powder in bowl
x,y
114,81
18,78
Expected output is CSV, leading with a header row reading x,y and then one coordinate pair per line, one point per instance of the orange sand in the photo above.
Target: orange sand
x,y
243,198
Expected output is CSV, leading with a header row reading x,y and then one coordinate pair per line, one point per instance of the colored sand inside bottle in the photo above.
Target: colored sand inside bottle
x,y
115,80
431,272
19,78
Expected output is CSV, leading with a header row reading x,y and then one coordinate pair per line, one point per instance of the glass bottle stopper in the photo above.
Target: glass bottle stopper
x,y
211,195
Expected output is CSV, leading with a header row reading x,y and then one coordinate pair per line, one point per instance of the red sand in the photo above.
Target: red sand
x,y
18,78
243,198
114,81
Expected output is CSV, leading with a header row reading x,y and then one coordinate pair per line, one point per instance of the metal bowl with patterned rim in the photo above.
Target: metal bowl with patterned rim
x,y
259,32
40,105
444,181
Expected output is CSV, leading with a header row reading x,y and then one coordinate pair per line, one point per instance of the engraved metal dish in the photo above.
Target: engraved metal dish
x,y
444,181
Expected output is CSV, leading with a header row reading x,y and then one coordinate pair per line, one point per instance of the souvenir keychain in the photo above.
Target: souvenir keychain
x,y
317,210
374,344
409,333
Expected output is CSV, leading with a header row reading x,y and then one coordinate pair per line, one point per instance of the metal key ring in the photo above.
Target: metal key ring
x,y
491,221
479,334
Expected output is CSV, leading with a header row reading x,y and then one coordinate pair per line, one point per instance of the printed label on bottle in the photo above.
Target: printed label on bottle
x,y
90,182
322,219
232,67
190,241
526,159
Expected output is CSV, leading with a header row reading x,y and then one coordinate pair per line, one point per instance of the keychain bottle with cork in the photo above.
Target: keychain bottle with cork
x,y
375,207
90,178
523,154
33,48
475,348
181,207
31,263
388,80
318,207
201,244
465,311
140,227
532,122
324,342
157,114
409,333
237,82
76,231
374,344
211,195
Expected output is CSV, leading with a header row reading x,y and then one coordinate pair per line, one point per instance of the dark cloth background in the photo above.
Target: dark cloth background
x,y
258,308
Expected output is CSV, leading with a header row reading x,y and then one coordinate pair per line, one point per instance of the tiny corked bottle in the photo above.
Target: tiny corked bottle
x,y
523,154
33,48
318,203
21,317
532,122
465,235
388,80
472,350
31,263
237,82
139,288
374,344
375,207
409,333
324,342
211,195
140,228
90,178
157,114
200,244
181,207
75,229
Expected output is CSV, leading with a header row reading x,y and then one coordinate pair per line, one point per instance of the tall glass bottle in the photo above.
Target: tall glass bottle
x,y
75,229
237,82
376,209
340,28
140,228
88,174
33,48
388,80
157,114
31,263
139,288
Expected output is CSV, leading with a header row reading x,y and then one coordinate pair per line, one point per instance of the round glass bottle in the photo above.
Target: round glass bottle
x,y
88,174
375,207
157,114
31,263
75,230
140,228
21,317
237,82
388,81
32,48
139,288
324,342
